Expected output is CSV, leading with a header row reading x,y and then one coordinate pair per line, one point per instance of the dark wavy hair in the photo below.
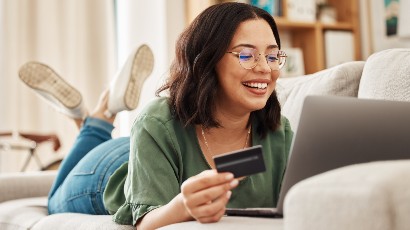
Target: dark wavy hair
x,y
193,80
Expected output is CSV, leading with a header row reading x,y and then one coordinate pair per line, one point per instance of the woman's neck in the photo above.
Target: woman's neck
x,y
233,134
230,119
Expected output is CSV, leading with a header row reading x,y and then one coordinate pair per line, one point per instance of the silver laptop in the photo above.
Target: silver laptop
x,y
339,131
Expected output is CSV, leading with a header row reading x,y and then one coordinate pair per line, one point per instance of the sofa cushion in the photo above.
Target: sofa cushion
x,y
22,214
70,221
231,223
364,196
386,75
341,80
31,213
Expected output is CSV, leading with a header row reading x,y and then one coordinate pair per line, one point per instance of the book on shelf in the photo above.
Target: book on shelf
x,y
339,47
301,10
294,65
271,6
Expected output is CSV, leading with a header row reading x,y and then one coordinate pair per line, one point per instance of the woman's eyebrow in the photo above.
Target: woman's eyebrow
x,y
252,46
273,47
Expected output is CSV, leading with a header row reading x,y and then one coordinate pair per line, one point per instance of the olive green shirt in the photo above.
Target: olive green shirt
x,y
164,154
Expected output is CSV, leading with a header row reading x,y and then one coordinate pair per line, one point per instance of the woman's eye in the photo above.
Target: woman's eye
x,y
272,57
245,57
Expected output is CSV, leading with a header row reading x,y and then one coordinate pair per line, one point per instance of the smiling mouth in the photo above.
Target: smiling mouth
x,y
255,85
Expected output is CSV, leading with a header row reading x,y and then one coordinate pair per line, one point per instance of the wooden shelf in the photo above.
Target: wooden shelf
x,y
284,23
309,36
337,26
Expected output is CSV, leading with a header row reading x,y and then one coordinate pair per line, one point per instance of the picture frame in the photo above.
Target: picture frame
x,y
391,12
294,65
379,37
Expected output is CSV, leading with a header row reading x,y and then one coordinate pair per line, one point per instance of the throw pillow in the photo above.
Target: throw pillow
x,y
386,75
340,80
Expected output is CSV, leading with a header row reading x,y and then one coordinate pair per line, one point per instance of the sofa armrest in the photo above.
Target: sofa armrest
x,y
25,185
363,196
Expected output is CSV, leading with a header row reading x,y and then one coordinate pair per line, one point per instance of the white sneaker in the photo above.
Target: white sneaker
x,y
126,87
51,87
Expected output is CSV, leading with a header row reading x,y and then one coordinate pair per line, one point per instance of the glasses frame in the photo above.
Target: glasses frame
x,y
281,54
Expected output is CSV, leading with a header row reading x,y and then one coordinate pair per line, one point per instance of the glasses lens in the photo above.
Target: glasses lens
x,y
274,60
272,57
247,58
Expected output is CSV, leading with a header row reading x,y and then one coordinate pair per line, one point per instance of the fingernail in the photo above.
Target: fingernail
x,y
229,176
234,183
228,194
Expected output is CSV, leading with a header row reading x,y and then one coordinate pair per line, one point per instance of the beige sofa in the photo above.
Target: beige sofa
x,y
311,204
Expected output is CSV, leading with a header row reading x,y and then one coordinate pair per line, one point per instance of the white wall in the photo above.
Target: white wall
x,y
156,23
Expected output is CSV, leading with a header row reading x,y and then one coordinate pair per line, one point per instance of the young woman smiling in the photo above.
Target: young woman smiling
x,y
220,97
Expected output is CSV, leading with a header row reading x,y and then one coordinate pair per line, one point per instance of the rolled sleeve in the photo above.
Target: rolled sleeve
x,y
152,179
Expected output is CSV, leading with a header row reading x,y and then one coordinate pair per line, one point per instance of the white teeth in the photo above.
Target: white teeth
x,y
256,85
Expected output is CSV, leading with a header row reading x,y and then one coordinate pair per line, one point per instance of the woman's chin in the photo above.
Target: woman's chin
x,y
258,106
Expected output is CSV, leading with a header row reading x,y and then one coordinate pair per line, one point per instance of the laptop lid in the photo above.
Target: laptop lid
x,y
339,131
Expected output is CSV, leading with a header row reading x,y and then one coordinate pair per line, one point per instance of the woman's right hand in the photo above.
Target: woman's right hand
x,y
205,195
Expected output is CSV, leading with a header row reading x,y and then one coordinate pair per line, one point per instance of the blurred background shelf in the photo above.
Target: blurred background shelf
x,y
309,36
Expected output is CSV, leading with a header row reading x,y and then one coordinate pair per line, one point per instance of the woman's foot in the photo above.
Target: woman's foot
x,y
101,108
53,89
125,89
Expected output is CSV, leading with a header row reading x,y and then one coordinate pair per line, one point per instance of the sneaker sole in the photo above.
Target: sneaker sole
x,y
41,77
142,67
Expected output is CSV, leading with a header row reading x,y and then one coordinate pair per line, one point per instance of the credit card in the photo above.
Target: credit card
x,y
241,163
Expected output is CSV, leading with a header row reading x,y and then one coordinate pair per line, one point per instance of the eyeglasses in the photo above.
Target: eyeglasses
x,y
249,58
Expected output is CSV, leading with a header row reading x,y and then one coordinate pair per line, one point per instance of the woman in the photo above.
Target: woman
x,y
221,99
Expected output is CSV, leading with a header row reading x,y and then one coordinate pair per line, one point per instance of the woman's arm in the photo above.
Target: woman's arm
x,y
203,198
173,212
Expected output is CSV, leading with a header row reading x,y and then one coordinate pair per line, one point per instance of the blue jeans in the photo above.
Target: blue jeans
x,y
84,172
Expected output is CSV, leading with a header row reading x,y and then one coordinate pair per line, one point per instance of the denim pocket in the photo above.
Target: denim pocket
x,y
102,157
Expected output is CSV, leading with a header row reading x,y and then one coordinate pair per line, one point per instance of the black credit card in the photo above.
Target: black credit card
x,y
241,163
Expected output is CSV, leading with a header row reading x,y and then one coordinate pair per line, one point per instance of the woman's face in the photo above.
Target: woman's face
x,y
246,90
